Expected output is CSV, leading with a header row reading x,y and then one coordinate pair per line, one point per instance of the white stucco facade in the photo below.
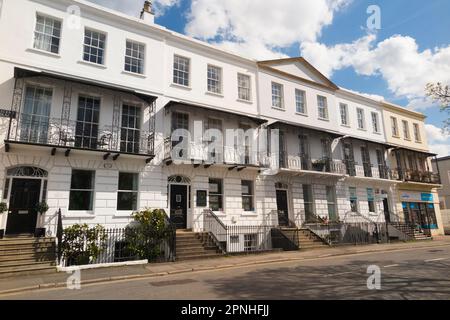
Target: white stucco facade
x,y
321,162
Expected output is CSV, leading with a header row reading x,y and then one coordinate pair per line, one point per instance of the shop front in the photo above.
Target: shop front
x,y
419,210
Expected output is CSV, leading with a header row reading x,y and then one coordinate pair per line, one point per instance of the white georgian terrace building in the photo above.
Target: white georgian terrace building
x,y
90,104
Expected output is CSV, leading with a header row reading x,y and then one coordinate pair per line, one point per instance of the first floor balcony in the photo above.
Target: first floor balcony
x,y
78,135
126,124
202,153
317,165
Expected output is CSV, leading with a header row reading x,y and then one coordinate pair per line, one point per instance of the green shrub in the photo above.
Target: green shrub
x,y
81,244
144,238
3,207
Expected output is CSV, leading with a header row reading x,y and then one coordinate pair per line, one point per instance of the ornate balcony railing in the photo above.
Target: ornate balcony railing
x,y
326,165
53,132
203,152
421,176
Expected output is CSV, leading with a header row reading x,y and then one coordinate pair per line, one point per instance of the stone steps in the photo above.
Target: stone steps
x,y
191,245
26,254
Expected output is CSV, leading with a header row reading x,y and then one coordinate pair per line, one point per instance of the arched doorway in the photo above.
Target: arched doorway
x,y
179,200
25,187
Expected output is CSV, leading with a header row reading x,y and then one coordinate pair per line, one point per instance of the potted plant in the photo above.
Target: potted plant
x,y
3,208
319,165
41,208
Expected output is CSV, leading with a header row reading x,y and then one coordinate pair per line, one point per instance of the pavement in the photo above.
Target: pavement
x,y
41,282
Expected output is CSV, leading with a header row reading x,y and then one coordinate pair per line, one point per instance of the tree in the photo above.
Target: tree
x,y
440,93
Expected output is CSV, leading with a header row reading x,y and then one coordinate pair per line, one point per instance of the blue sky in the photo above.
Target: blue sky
x,y
411,48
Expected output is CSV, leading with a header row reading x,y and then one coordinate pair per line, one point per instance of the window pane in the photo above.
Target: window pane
x,y
94,44
81,200
82,179
47,34
128,181
127,201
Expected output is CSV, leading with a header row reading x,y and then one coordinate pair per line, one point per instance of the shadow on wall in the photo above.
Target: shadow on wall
x,y
6,88
418,280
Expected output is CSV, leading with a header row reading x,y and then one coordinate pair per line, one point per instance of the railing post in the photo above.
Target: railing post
x,y
59,235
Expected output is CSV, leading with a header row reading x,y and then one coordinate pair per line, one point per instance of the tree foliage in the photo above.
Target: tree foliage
x,y
82,244
440,93
144,239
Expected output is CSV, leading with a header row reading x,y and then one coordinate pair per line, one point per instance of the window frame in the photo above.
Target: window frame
x,y
331,203
105,34
417,135
344,106
219,81
353,200
375,122
312,200
371,201
394,127
243,88
91,190
55,19
84,122
324,107
360,122
219,194
188,72
135,174
138,120
305,109
406,131
250,195
143,60
280,96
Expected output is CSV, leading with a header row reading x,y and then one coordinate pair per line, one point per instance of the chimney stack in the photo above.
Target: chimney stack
x,y
147,13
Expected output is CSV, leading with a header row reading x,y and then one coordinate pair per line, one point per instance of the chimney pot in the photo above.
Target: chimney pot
x,y
147,13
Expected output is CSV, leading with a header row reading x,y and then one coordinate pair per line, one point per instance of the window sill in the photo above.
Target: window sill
x,y
134,74
249,214
245,101
407,139
219,95
279,109
379,133
397,137
179,86
43,52
71,214
96,65
345,125
123,214
301,114
362,129
418,141
323,119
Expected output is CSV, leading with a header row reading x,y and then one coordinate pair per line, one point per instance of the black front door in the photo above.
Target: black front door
x,y
282,207
387,215
178,206
22,215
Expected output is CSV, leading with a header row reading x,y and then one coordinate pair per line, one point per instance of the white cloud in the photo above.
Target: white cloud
x,y
397,59
134,7
260,28
438,140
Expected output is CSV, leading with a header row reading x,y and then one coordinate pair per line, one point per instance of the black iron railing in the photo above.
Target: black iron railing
x,y
340,233
237,239
59,236
80,135
116,245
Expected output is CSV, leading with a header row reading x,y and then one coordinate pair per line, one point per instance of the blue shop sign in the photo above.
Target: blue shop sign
x,y
426,196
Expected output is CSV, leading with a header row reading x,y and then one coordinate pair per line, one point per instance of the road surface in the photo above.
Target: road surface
x,y
406,274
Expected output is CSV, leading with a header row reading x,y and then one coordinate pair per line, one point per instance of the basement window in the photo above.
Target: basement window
x,y
250,242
